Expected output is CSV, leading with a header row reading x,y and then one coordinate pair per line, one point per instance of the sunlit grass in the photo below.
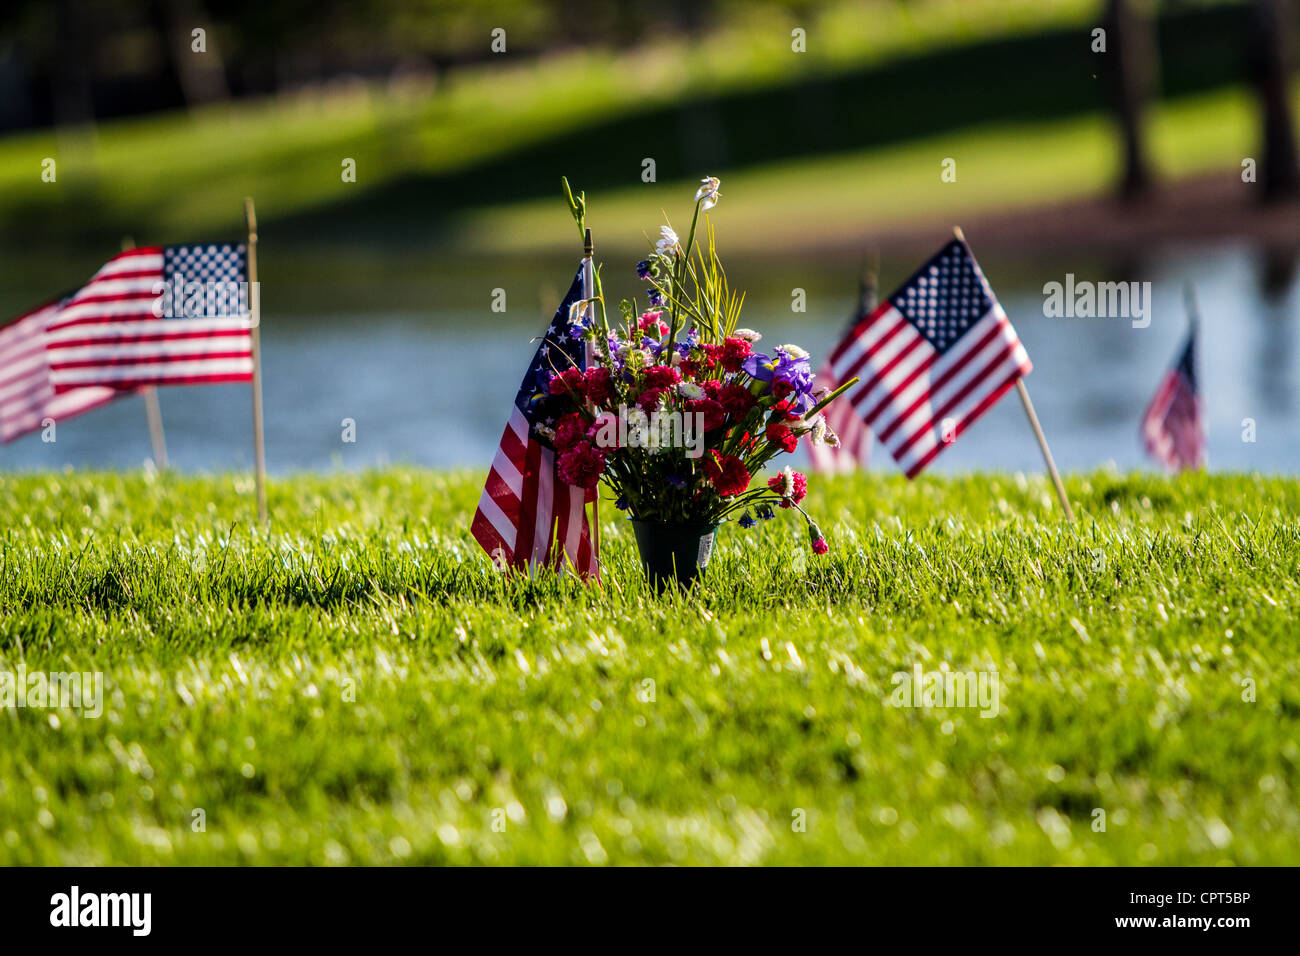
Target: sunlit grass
x,y
357,684
998,168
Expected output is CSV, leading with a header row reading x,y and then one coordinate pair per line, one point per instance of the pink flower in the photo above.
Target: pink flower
x,y
650,399
819,546
734,352
570,430
714,416
661,376
790,485
736,399
571,382
600,384
581,465
653,323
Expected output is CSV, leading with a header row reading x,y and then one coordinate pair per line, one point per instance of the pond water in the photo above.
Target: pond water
x,y
413,354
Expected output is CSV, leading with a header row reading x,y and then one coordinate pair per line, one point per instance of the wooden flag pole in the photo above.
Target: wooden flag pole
x,y
1042,443
255,311
1038,429
588,291
152,410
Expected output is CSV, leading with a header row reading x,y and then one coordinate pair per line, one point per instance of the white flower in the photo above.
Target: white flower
x,y
669,244
689,390
708,192
648,357
818,433
793,351
749,335
831,440
578,311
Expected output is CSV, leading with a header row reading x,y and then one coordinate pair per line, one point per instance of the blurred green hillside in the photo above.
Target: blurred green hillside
x,y
853,129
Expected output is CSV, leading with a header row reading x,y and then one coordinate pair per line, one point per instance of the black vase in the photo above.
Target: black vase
x,y
673,552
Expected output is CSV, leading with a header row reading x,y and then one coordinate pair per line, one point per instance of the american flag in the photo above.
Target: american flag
x,y
1173,428
932,358
524,501
156,315
27,396
854,450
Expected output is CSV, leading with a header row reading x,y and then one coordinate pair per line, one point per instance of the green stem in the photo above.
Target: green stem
x,y
679,271
830,398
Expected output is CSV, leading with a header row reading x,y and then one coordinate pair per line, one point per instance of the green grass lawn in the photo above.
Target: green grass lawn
x,y
358,686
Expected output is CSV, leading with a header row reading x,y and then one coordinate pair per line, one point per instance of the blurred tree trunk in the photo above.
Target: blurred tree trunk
x,y
868,296
1132,44
74,103
202,76
1272,36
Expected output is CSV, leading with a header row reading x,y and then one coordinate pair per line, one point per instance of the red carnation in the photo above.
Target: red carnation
x,y
570,382
736,399
661,376
703,359
582,465
734,352
650,399
798,487
712,389
781,435
727,473
600,384
714,416
570,430
781,388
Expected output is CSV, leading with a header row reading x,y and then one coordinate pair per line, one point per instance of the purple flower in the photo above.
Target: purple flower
x,y
780,367
643,269
653,294
758,367
747,520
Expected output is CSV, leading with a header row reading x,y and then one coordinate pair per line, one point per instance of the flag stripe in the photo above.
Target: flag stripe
x,y
525,511
112,331
940,349
27,396
1173,426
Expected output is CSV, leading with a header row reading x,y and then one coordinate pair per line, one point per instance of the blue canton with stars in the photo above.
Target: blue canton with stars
x,y
208,262
945,297
557,352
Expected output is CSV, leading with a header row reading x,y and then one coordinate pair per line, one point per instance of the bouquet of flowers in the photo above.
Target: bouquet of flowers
x,y
679,408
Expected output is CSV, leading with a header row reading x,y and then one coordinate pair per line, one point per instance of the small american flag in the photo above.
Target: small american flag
x,y
1173,428
524,501
157,315
27,396
854,450
932,358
